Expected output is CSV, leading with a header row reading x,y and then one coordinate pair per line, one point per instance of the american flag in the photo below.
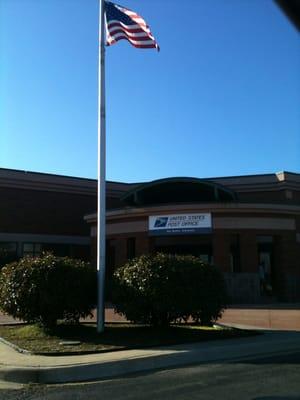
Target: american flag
x,y
122,23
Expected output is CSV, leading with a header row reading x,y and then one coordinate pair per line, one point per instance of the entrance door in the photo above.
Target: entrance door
x,y
265,257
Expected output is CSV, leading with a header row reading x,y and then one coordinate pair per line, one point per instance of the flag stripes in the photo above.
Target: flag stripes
x,y
122,23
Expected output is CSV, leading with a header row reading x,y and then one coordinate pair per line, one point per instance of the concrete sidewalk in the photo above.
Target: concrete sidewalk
x,y
269,316
25,368
279,316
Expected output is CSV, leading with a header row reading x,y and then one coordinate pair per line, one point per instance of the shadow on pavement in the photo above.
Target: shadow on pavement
x,y
277,398
289,358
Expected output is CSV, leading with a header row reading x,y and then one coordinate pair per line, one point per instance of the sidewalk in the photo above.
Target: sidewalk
x,y
273,316
279,316
24,368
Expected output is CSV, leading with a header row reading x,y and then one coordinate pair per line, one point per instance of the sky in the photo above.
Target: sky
x,y
221,98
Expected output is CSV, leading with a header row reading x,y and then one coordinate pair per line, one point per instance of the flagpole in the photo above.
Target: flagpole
x,y
101,207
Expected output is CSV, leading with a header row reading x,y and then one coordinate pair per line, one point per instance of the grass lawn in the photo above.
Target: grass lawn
x,y
115,337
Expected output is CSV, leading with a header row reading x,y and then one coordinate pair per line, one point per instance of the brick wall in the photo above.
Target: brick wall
x,y
32,211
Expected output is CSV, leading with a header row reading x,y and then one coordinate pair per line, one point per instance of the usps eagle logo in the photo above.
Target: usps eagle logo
x,y
161,222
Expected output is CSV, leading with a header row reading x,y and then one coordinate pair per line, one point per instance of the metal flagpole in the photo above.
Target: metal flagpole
x,y
101,207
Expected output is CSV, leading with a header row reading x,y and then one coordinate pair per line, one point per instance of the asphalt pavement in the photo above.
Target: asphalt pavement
x,y
17,369
27,368
257,378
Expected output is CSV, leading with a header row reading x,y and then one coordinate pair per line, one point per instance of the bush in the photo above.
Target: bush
x,y
47,288
160,289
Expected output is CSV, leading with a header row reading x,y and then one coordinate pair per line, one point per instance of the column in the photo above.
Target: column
x,y
221,250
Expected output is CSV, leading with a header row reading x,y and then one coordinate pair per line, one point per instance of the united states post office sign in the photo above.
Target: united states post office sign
x,y
180,224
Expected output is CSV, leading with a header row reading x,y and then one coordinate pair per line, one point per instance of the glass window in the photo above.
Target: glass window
x,y
28,247
32,249
205,258
9,246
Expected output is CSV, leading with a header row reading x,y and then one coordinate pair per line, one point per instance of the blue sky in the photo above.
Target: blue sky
x,y
221,98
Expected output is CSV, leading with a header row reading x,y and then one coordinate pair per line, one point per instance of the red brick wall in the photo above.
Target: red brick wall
x,y
32,211
263,197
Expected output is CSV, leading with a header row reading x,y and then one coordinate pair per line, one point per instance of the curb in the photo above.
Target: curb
x,y
14,346
175,356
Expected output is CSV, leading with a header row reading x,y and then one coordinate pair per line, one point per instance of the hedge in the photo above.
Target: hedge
x,y
47,288
161,289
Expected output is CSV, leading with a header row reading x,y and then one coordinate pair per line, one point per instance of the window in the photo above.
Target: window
x,y
207,258
10,247
32,249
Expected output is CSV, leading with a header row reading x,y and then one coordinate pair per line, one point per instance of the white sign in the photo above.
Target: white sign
x,y
180,224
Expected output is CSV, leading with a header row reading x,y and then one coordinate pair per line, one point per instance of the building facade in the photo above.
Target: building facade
x,y
237,223
240,224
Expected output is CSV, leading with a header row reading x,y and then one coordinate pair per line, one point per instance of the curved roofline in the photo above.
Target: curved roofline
x,y
158,182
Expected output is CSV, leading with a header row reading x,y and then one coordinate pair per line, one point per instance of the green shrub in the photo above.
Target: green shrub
x,y
47,288
160,289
